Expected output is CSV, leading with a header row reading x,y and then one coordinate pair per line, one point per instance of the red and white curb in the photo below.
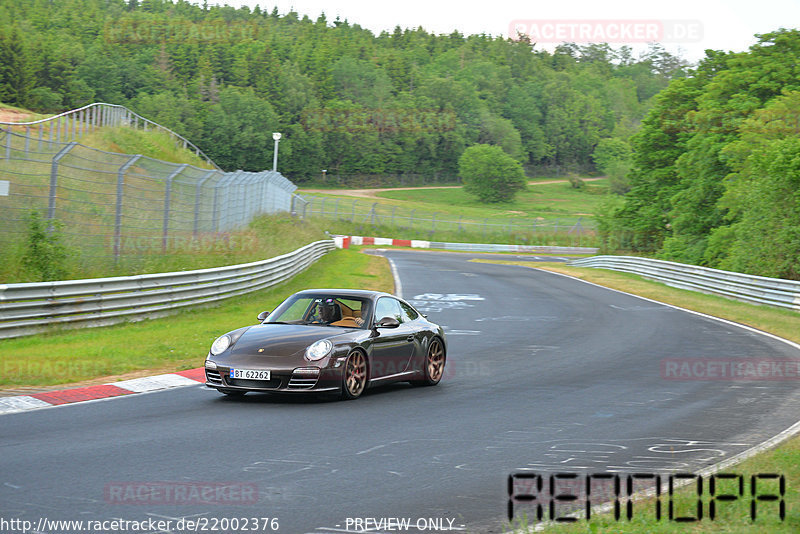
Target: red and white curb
x,y
344,241
45,399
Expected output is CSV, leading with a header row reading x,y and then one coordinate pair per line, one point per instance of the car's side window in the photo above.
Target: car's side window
x,y
388,307
409,312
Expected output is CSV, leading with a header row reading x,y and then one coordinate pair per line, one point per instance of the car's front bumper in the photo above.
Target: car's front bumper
x,y
288,381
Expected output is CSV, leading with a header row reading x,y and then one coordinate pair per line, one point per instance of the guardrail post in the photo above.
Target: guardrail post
x,y
118,214
51,206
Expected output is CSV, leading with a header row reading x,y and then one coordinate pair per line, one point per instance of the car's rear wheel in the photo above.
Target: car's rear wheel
x,y
434,363
354,377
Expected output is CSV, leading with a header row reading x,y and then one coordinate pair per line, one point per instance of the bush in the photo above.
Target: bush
x,y
44,254
490,174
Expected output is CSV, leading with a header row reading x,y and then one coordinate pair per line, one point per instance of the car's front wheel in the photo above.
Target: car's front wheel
x,y
434,363
354,377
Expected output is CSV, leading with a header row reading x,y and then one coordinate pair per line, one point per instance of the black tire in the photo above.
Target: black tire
x,y
433,366
355,375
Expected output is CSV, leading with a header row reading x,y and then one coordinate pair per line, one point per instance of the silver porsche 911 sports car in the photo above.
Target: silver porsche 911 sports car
x,y
329,340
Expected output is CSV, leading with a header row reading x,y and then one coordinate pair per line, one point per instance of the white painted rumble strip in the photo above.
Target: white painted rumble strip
x,y
153,383
20,403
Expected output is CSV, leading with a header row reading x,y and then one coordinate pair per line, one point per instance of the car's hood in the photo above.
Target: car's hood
x,y
282,340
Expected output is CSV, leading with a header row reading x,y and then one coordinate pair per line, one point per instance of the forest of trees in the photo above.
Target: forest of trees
x,y
357,104
716,165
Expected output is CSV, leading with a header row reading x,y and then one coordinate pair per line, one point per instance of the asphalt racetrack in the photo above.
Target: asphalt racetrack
x,y
544,373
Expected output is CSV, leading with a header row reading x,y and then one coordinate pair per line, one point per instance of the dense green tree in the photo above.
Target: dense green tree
x,y
704,186
490,174
408,101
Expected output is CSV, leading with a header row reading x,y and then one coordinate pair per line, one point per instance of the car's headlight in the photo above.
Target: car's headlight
x,y
221,344
318,350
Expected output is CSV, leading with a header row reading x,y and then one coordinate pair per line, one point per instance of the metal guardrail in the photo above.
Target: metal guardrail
x,y
74,124
749,288
30,308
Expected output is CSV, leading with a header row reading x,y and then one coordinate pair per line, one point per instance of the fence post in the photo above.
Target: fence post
x,y
167,195
353,216
322,208
197,195
336,209
217,209
433,223
8,142
118,211
411,219
27,139
51,206
394,208
372,214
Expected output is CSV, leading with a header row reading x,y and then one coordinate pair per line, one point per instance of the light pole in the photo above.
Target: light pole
x,y
277,137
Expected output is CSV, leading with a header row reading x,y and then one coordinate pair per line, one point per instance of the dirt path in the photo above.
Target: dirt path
x,y
12,115
373,193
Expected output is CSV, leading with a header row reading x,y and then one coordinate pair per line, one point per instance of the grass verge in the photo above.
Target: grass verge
x,y
153,144
173,343
265,237
784,460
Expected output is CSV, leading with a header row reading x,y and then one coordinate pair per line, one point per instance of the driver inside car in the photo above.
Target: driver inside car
x,y
330,313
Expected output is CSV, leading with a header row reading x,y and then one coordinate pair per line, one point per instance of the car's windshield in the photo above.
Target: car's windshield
x,y
325,310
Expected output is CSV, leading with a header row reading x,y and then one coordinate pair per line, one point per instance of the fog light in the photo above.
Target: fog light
x,y
307,372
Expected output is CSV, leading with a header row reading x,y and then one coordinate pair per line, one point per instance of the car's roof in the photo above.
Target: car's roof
x,y
358,293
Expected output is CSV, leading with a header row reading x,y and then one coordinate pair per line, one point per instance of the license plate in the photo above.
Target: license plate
x,y
250,374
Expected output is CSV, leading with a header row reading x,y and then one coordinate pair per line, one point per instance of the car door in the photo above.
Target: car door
x,y
392,348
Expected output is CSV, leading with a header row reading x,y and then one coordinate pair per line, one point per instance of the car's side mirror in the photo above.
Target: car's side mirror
x,y
388,322
263,315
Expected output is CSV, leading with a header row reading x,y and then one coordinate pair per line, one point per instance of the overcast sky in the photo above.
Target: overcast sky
x,y
716,24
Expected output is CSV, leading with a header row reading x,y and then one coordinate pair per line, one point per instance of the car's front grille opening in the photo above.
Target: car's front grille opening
x,y
213,377
304,378
301,383
255,384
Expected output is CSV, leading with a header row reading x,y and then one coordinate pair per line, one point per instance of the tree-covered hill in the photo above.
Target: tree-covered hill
x,y
346,100
716,176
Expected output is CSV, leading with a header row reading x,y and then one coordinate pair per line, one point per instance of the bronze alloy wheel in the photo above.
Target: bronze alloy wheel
x,y
355,375
434,363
